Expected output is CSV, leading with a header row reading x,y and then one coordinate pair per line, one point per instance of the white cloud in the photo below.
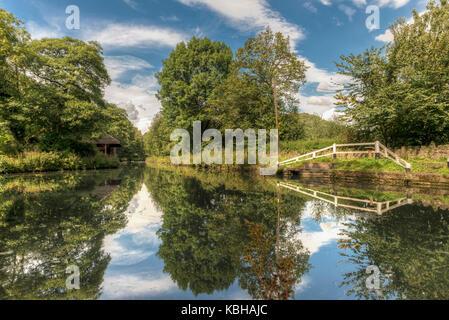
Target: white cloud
x,y
320,100
348,11
327,81
131,3
381,3
133,286
122,35
392,3
329,114
316,104
143,222
141,94
251,15
386,37
170,18
38,32
309,6
118,65
359,3
137,98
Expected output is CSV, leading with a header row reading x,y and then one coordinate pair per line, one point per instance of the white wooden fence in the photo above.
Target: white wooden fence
x,y
333,151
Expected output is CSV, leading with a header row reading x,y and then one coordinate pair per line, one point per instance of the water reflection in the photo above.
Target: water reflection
x,y
148,233
48,222
203,230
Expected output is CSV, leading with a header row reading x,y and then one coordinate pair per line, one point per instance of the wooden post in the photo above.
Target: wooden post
x,y
314,155
448,162
334,151
377,150
105,149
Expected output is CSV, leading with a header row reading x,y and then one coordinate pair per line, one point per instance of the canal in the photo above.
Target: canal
x,y
151,233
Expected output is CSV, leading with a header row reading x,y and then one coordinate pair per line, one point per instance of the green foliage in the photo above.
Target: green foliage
x,y
201,81
399,94
154,138
131,139
49,222
412,256
305,146
316,127
270,60
52,96
203,230
53,161
187,79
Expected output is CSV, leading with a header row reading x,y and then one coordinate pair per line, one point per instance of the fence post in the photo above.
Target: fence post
x,y
377,150
448,162
314,155
408,167
334,155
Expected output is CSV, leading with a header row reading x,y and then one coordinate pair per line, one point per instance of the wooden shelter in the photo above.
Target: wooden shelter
x,y
108,145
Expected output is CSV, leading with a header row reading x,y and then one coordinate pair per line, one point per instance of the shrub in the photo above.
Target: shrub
x,y
54,161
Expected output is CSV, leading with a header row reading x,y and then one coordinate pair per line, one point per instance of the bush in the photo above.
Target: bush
x,y
306,146
54,161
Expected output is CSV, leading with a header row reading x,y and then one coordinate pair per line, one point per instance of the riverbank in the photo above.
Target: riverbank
x,y
33,162
165,162
425,172
421,165
355,173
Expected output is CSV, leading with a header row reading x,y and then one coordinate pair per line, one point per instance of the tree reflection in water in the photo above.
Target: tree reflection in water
x,y
216,230
204,234
48,222
276,270
409,245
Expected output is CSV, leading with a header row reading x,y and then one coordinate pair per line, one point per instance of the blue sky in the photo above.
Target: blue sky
x,y
137,34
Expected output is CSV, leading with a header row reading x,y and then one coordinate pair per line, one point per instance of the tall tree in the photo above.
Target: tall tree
x,y
400,93
270,59
187,79
13,52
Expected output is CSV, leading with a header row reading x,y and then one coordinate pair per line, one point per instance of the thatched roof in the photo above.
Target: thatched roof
x,y
108,140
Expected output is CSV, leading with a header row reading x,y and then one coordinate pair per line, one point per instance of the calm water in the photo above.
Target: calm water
x,y
141,233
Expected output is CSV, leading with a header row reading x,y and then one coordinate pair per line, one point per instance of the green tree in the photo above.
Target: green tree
x,y
118,125
187,79
399,94
270,59
68,98
154,138
13,53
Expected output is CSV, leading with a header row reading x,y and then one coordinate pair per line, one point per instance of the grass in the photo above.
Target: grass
x,y
53,161
385,165
290,149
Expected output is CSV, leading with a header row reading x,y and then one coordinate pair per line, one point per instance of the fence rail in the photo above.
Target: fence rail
x,y
379,151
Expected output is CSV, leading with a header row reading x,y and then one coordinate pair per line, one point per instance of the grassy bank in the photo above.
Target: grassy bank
x,y
164,161
54,161
385,165
365,164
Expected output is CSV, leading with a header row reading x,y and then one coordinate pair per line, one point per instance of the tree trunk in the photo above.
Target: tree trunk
x,y
276,114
